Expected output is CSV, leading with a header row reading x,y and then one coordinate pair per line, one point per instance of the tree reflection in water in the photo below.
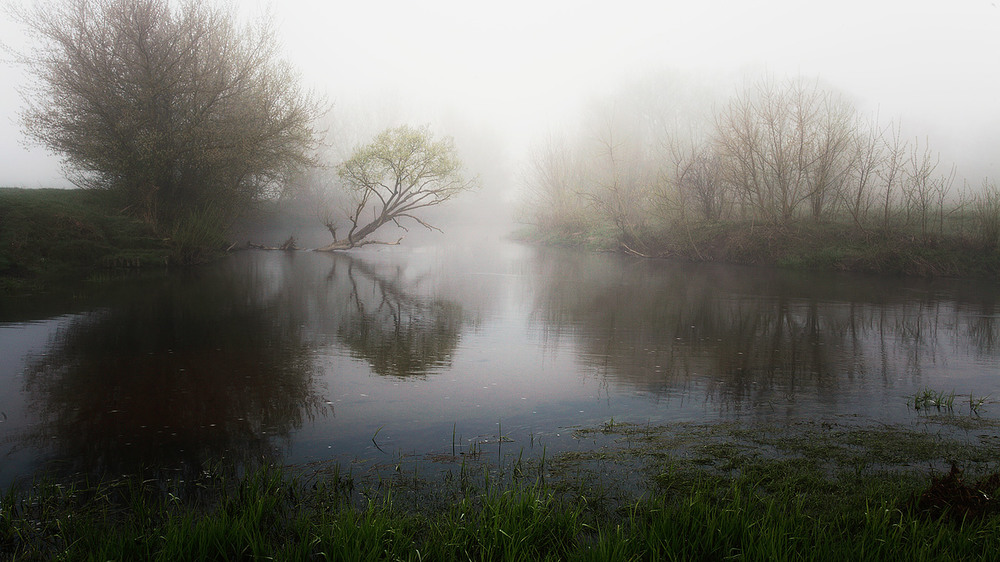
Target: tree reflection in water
x,y
396,331
750,336
190,372
219,365
226,363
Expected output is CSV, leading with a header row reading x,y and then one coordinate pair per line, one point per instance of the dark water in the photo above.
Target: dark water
x,y
296,358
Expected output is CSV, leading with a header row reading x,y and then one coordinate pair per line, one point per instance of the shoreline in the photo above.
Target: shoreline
x,y
747,490
804,246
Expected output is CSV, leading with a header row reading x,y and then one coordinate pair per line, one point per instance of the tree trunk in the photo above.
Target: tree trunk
x,y
342,245
356,237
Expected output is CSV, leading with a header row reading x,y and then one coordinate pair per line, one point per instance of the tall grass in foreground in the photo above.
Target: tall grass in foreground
x,y
741,526
267,516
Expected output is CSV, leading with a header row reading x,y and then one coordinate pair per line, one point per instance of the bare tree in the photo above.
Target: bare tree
x,y
552,181
891,171
784,145
400,172
171,105
986,213
831,152
699,177
867,151
739,142
620,177
941,188
918,189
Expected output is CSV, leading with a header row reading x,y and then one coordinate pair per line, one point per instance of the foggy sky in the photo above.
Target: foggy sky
x,y
522,68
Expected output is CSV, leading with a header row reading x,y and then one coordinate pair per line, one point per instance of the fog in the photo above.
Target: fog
x,y
301,358
498,77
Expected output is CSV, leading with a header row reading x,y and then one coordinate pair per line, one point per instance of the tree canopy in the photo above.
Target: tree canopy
x,y
403,170
174,106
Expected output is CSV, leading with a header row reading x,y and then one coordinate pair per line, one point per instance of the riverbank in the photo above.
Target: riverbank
x,y
805,245
712,491
52,237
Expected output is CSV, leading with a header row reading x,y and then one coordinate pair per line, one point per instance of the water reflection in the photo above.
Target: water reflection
x,y
751,336
398,332
220,363
247,359
190,371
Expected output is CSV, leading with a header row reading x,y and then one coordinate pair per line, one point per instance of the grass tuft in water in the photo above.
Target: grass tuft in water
x,y
976,404
928,399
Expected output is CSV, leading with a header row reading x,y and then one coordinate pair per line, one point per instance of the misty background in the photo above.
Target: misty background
x,y
501,79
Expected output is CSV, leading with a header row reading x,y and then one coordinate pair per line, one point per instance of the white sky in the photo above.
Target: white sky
x,y
520,66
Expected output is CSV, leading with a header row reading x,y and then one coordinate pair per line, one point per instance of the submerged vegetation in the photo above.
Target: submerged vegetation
x,y
784,173
746,492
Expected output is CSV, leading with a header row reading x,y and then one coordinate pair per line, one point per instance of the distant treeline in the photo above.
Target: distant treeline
x,y
778,153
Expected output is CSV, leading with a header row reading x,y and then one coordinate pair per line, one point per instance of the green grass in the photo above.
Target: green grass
x,y
708,492
52,236
265,516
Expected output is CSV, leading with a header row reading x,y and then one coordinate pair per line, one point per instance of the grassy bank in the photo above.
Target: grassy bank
x,y
705,492
50,236
808,245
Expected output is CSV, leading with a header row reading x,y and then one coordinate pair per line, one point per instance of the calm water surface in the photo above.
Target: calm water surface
x,y
299,358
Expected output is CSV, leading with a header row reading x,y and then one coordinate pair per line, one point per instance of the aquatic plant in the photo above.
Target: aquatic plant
x,y
975,404
928,398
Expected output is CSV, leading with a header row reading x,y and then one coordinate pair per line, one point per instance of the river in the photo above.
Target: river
x,y
299,358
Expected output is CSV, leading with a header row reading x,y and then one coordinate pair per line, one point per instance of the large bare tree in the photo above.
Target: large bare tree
x,y
170,104
784,145
402,171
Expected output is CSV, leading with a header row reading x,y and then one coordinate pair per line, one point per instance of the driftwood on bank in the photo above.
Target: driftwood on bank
x,y
288,246
631,252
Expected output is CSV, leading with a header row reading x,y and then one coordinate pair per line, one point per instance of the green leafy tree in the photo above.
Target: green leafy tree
x,y
171,105
402,171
